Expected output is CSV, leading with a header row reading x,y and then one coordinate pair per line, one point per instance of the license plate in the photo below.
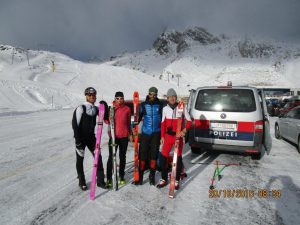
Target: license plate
x,y
223,126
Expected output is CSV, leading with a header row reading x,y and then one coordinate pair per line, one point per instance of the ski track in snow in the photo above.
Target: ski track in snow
x,y
39,186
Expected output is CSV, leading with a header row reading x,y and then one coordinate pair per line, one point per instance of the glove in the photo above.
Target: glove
x,y
79,146
162,141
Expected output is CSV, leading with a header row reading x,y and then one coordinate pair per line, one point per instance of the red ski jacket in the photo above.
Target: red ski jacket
x,y
122,121
169,121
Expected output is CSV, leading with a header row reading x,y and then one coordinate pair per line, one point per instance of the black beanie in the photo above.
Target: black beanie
x,y
119,94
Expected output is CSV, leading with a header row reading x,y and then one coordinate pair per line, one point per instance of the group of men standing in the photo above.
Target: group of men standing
x,y
159,128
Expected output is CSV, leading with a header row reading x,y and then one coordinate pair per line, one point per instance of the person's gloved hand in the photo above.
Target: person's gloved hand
x,y
79,146
162,141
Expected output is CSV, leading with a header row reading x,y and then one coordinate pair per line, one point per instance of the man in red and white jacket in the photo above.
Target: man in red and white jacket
x,y
123,133
168,136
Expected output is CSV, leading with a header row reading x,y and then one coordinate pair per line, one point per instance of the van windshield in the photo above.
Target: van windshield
x,y
226,100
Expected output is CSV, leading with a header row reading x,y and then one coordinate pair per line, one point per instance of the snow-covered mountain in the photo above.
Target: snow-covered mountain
x,y
201,58
182,60
28,83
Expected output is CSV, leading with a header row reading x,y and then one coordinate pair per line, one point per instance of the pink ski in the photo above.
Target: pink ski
x,y
97,151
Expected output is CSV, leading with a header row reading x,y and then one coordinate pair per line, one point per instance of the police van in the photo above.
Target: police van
x,y
229,118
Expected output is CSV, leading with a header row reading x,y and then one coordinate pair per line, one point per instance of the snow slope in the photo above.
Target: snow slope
x,y
38,182
33,87
198,63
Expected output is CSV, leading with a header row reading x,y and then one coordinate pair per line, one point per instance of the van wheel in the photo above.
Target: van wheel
x,y
277,132
260,154
196,150
256,156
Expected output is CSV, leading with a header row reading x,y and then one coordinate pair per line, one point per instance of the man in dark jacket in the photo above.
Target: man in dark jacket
x,y
122,133
83,124
151,113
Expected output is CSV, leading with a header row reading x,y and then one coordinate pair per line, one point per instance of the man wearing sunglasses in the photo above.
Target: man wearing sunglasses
x,y
83,124
122,133
151,113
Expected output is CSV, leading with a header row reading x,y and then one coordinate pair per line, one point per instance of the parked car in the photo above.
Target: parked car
x,y
229,118
292,103
288,126
273,108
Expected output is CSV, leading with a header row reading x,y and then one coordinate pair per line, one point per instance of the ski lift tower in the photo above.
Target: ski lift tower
x,y
178,76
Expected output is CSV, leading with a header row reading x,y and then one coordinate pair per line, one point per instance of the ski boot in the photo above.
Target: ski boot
x,y
82,183
152,177
122,181
101,184
109,184
162,183
141,176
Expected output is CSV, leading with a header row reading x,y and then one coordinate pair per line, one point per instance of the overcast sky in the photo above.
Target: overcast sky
x,y
86,28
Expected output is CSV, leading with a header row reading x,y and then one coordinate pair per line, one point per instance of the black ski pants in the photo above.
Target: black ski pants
x,y
122,144
149,148
90,143
165,167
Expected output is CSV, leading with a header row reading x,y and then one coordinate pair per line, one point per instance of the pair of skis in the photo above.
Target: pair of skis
x,y
97,150
114,147
179,113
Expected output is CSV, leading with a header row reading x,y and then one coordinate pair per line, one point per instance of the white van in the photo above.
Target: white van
x,y
229,118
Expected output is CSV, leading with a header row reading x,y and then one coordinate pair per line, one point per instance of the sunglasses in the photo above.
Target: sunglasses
x,y
91,95
152,94
119,98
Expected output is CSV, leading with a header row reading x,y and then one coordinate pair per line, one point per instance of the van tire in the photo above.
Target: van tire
x,y
256,156
260,154
277,132
196,150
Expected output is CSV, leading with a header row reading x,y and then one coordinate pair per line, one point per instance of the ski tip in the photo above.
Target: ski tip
x,y
101,107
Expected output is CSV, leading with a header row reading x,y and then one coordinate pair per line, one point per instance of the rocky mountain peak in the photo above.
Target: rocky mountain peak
x,y
178,41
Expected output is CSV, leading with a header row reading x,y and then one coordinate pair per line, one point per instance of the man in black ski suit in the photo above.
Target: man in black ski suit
x,y
83,124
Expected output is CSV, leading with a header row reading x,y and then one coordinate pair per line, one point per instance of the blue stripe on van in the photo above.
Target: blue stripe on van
x,y
226,135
